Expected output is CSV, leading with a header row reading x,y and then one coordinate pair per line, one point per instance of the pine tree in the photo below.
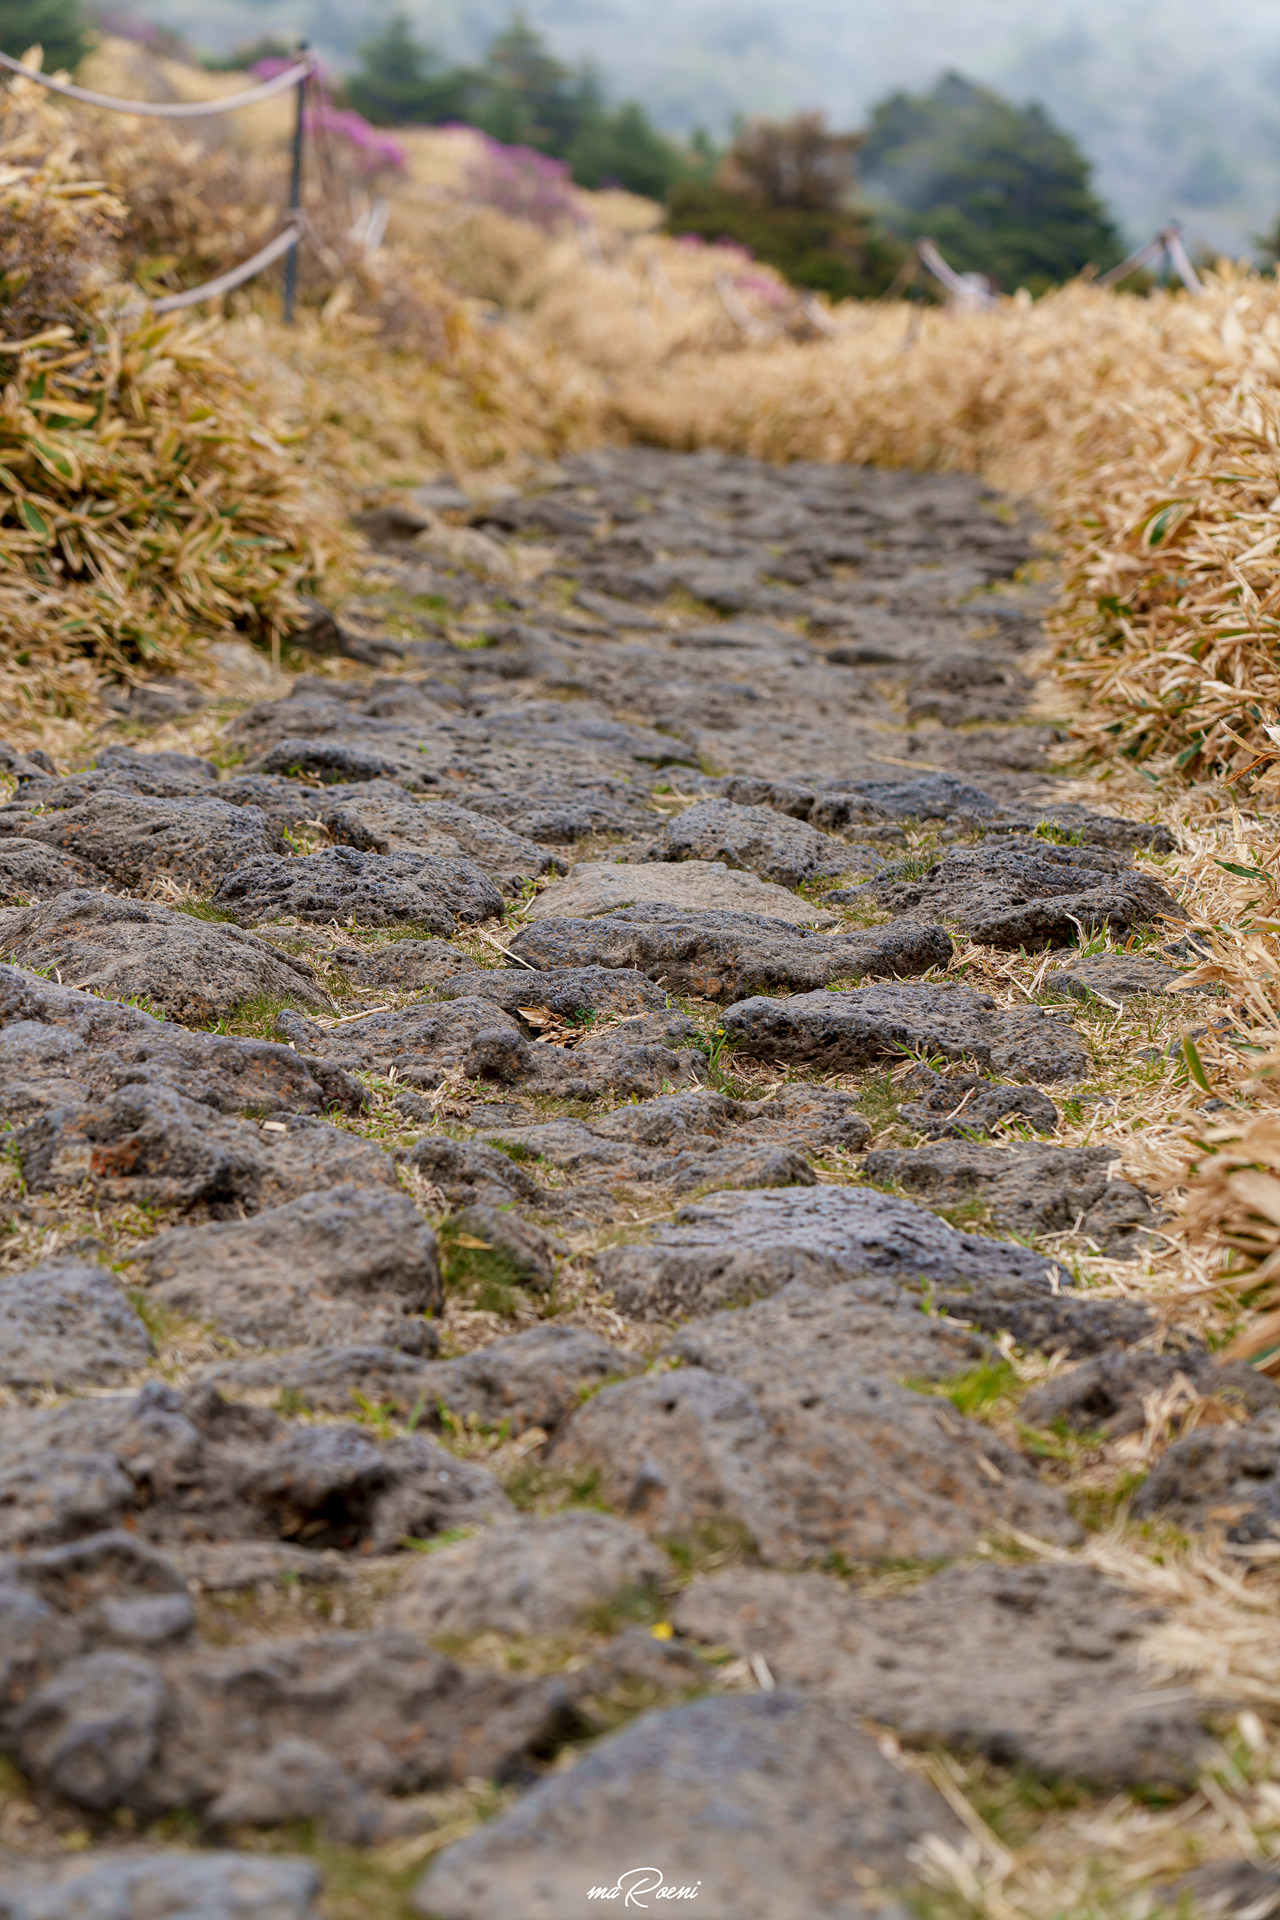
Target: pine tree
x,y
55,25
400,81
623,148
1002,190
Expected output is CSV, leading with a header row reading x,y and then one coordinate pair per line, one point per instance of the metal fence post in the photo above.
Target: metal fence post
x,y
295,195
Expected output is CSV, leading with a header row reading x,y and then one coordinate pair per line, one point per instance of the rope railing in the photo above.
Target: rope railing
x,y
1169,242
234,277
296,76
165,109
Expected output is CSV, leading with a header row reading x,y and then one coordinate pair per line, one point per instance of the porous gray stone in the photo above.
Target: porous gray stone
x,y
150,1145
384,819
803,1469
66,1324
1029,893
1110,1393
858,1027
718,956
1029,1190
177,1466
526,1576
192,970
347,1264
30,871
729,1249
567,991
404,963
822,1332
758,840
522,1380
603,887
528,1252
765,1806
154,1883
1111,976
933,1663
961,1105
477,1038
133,837
370,889
1223,1479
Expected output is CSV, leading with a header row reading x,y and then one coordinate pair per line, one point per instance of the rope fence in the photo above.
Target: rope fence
x,y
971,292
297,76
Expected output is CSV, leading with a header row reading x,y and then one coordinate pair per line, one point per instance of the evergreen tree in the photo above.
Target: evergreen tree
x,y
623,149
785,189
401,82
1002,190
55,25
526,97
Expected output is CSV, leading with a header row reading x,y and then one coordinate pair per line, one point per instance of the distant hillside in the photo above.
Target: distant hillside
x,y
1178,106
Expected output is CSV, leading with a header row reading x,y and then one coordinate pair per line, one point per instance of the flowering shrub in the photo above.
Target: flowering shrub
x,y
523,183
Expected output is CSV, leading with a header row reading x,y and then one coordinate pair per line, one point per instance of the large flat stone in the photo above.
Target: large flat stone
x,y
732,1248
192,970
767,1806
718,956
1077,1702
858,1027
372,889
352,1263
705,886
132,837
804,1468
757,840
66,1324
526,1576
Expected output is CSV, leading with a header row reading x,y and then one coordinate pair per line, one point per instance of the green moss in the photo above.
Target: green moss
x,y
976,1392
486,1276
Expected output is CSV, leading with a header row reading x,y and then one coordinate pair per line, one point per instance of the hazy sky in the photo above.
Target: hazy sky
x,y
1176,102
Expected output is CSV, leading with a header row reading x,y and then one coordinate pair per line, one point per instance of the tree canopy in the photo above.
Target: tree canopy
x,y
55,25
1002,190
519,94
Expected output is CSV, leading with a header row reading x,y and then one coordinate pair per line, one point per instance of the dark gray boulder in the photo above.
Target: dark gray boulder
x,y
131,837
729,1249
961,1105
821,1332
568,992
1029,1190
802,1469
150,1145
523,1380
179,1466
1029,893
66,1324
30,871
778,848
191,970
774,1805
718,956
136,1883
347,1264
1077,1703
1222,1479
1110,1393
404,963
1111,976
384,819
371,889
526,1576
861,1026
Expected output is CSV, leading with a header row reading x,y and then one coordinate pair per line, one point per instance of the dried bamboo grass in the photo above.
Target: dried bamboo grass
x,y
144,504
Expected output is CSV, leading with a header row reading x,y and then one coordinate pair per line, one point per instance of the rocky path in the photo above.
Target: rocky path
x,y
567,1306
